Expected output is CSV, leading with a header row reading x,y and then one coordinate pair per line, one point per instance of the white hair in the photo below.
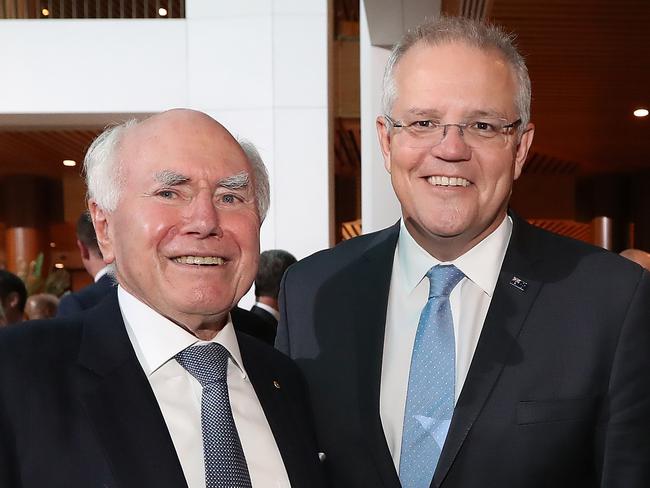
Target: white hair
x,y
103,169
445,30
260,177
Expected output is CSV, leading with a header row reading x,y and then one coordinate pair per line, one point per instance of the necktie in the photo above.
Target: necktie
x,y
225,464
432,377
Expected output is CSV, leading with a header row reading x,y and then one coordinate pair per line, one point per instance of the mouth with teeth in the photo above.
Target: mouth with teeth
x,y
448,181
200,260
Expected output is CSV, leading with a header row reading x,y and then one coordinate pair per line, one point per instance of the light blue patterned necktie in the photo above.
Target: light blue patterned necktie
x,y
225,464
432,378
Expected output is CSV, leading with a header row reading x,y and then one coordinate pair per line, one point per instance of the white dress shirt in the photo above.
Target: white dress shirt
x,y
156,341
409,292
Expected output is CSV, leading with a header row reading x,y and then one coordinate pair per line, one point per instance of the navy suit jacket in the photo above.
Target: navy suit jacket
x,y
86,298
266,315
558,391
77,411
252,324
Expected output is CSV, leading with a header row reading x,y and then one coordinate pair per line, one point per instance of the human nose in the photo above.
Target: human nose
x,y
453,146
203,218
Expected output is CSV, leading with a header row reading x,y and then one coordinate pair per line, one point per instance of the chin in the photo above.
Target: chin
x,y
444,226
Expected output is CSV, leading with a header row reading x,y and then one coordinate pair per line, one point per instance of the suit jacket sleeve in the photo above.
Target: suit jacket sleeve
x,y
7,462
625,438
282,333
68,305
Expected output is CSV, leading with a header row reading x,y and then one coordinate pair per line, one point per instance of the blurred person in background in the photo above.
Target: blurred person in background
x,y
273,264
638,256
3,319
93,261
41,306
13,295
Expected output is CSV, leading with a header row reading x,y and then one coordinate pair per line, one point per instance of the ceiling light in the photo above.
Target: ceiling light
x,y
52,244
45,12
69,162
162,12
641,112
58,265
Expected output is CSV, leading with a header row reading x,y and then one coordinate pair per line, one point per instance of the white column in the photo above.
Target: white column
x,y
381,24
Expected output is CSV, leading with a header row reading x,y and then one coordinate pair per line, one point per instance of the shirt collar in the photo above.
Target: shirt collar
x,y
481,264
101,273
158,339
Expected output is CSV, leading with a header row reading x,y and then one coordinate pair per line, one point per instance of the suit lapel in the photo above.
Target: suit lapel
x,y
121,405
278,408
371,303
506,316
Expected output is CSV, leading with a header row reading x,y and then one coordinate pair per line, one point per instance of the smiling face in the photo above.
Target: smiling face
x,y
184,237
452,195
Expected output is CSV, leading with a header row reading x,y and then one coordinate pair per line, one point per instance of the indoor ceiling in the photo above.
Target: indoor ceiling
x,y
91,9
588,61
43,151
589,65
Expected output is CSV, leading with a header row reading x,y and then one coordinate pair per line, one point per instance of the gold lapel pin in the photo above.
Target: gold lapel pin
x,y
276,383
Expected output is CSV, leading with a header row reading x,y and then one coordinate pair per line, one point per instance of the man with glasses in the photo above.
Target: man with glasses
x,y
463,347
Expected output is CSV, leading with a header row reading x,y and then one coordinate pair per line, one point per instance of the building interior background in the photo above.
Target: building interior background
x,y
301,79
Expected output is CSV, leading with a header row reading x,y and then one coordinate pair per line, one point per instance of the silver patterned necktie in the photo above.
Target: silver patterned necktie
x,y
432,378
225,464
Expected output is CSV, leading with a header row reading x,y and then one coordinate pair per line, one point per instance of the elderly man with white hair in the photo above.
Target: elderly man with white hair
x,y
154,387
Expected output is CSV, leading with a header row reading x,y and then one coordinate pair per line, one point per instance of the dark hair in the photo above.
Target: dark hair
x,y
272,266
86,233
10,283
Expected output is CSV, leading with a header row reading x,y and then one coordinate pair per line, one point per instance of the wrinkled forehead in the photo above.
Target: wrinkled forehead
x,y
183,145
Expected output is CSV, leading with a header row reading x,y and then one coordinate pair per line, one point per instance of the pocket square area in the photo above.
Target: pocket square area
x,y
533,412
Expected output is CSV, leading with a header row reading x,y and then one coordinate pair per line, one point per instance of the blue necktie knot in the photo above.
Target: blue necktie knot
x,y
207,363
443,279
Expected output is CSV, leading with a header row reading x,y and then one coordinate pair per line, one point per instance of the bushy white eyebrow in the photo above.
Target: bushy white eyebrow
x,y
235,182
170,178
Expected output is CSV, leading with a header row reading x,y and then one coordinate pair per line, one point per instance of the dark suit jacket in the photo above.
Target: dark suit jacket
x,y
267,317
86,298
558,392
265,314
77,411
252,324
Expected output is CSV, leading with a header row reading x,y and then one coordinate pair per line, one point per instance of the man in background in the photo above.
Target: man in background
x,y
13,295
273,264
41,306
463,347
638,256
93,261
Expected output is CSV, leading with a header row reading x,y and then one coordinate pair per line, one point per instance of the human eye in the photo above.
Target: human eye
x,y
229,198
484,128
423,125
166,194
